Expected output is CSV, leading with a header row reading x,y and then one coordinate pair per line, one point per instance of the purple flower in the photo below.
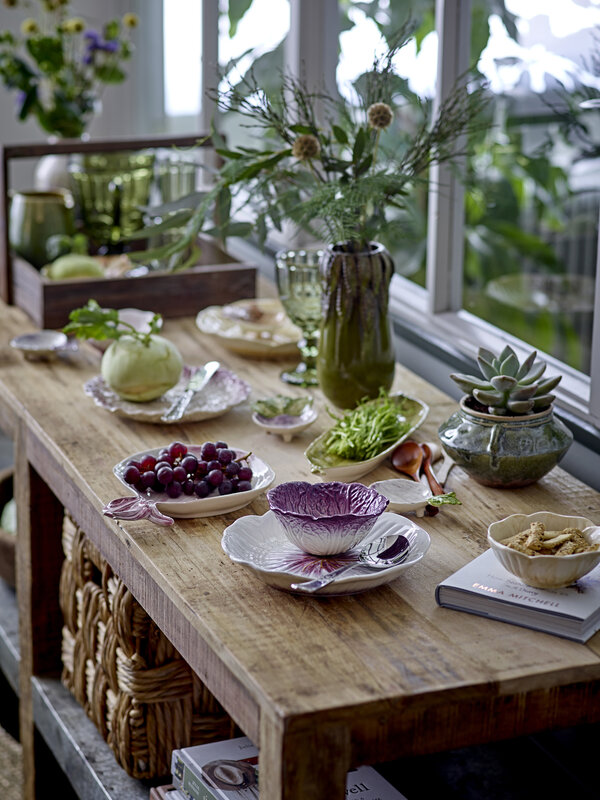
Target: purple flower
x,y
109,47
92,37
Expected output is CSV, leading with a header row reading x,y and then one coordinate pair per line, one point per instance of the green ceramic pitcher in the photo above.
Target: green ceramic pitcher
x,y
34,216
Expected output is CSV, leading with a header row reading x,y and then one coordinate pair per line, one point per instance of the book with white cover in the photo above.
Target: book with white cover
x,y
484,587
230,769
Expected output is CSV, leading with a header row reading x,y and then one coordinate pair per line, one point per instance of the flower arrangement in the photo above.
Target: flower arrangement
x,y
340,168
58,66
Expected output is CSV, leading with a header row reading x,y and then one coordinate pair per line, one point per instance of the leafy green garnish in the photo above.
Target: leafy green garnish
x,y
271,407
449,499
94,322
367,430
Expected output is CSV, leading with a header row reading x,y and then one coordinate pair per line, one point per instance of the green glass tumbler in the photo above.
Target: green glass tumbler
x,y
299,285
110,190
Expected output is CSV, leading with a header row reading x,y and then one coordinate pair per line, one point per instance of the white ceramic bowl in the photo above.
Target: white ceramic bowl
x,y
42,345
404,495
544,572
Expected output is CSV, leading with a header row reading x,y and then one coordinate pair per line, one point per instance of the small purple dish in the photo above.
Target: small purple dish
x,y
324,519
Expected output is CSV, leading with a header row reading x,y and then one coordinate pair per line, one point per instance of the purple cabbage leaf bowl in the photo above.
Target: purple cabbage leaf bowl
x,y
326,518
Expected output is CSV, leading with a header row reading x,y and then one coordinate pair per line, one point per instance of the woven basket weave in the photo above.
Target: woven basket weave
x,y
134,685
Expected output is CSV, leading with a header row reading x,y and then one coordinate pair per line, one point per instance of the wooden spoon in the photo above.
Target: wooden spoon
x,y
430,511
408,459
434,484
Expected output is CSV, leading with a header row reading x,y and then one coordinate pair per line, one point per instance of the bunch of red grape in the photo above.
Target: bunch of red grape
x,y
176,471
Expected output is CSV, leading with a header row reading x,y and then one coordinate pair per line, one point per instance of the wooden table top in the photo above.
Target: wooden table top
x,y
319,683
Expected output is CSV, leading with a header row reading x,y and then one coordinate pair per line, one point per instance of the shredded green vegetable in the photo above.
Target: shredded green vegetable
x,y
367,430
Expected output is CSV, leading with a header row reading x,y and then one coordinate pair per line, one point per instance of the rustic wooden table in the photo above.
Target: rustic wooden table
x,y
319,684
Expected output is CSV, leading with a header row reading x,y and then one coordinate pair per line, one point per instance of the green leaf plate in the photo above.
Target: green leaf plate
x,y
333,468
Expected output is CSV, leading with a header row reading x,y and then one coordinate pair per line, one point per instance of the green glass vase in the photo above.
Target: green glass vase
x,y
356,352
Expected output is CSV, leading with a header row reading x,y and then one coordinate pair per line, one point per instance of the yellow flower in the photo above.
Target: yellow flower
x,y
130,20
74,25
379,115
29,26
306,146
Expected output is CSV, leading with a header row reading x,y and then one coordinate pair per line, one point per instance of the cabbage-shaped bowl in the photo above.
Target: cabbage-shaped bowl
x,y
324,519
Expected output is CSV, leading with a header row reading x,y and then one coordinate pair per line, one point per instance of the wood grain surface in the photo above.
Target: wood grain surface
x,y
318,684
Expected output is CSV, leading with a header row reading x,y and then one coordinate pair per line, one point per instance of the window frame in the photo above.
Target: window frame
x,y
435,314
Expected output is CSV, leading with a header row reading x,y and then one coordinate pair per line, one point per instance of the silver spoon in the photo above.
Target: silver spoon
x,y
387,551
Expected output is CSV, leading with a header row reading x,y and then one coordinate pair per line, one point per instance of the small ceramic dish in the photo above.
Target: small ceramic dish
x,y
544,571
333,468
404,495
260,545
43,345
158,507
286,425
326,518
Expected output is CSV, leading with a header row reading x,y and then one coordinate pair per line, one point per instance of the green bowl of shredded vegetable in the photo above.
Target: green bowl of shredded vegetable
x,y
361,439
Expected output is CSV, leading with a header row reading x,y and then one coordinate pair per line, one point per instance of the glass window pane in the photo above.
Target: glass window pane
x,y
533,201
182,32
367,32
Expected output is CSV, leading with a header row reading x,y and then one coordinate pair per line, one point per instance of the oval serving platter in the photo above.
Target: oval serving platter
x,y
333,468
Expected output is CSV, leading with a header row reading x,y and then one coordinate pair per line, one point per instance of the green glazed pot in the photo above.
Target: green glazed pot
x,y
356,353
505,452
34,216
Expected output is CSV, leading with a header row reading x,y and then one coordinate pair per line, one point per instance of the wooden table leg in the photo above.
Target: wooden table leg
x,y
39,560
307,762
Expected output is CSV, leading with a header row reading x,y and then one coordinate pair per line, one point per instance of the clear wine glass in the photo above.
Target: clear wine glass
x,y
299,285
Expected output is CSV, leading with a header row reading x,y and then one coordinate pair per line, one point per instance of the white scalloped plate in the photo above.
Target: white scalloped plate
x,y
272,336
224,391
259,543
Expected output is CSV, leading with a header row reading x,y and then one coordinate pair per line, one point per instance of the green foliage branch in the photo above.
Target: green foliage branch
x,y
335,167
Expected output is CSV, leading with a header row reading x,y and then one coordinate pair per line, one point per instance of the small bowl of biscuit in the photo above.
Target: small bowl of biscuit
x,y
544,549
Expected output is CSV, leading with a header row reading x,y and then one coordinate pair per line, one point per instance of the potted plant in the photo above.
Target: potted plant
x,y
331,166
505,433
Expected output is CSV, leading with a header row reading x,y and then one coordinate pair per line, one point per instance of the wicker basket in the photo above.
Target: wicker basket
x,y
132,683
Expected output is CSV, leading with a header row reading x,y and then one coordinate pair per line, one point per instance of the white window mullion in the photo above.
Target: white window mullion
x,y
311,51
210,61
445,227
594,408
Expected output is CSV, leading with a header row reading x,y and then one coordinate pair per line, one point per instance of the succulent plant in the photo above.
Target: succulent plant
x,y
507,386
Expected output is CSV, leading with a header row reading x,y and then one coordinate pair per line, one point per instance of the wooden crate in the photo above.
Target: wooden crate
x,y
217,279
132,683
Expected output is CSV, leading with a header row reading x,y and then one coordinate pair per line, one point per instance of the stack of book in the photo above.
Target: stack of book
x,y
228,770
